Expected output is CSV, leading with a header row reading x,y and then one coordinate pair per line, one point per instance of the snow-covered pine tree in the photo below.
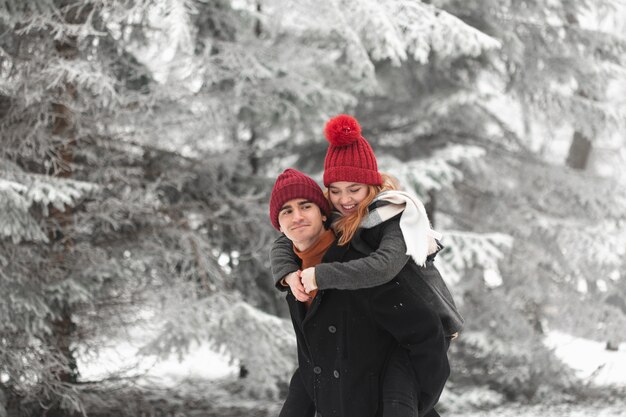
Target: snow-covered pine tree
x,y
561,70
558,74
96,223
100,226
60,80
262,74
557,63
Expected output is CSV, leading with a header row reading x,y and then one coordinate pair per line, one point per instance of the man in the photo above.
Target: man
x,y
346,336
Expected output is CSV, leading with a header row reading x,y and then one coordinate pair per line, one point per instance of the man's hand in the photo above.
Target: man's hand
x,y
297,289
308,279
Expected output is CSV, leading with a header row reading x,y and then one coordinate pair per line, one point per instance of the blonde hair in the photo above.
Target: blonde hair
x,y
346,226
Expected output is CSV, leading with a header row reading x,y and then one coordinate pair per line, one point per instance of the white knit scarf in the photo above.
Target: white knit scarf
x,y
414,224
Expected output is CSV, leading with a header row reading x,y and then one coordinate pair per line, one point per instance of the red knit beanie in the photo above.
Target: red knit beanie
x,y
349,157
292,184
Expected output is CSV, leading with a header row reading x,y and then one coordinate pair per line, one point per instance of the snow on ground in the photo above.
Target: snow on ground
x,y
589,358
200,362
561,410
122,357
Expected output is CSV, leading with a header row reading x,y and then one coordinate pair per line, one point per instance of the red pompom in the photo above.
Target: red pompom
x,y
342,130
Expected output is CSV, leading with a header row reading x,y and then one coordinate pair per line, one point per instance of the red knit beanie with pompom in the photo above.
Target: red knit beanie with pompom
x,y
349,157
292,184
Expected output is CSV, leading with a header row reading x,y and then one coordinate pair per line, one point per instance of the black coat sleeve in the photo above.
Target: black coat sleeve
x,y
298,402
417,329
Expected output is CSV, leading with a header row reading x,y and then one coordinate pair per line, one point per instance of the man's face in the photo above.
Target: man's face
x,y
302,222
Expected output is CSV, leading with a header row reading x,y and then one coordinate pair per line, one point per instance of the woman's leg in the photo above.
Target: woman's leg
x,y
399,396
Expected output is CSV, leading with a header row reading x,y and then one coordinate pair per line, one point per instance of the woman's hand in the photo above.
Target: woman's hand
x,y
308,279
297,289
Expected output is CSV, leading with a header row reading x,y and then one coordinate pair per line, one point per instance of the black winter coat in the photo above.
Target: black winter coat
x,y
344,340
427,283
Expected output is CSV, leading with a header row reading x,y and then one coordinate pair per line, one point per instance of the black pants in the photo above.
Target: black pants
x,y
399,396
399,387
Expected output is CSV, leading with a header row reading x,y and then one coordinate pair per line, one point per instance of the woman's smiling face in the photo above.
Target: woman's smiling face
x,y
346,196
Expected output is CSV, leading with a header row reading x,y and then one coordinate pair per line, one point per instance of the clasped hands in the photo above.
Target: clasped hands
x,y
302,283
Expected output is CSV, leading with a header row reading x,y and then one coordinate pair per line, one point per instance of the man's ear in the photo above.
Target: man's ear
x,y
323,218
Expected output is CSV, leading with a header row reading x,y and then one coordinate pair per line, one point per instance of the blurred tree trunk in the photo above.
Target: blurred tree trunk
x,y
579,152
3,402
62,326
64,127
